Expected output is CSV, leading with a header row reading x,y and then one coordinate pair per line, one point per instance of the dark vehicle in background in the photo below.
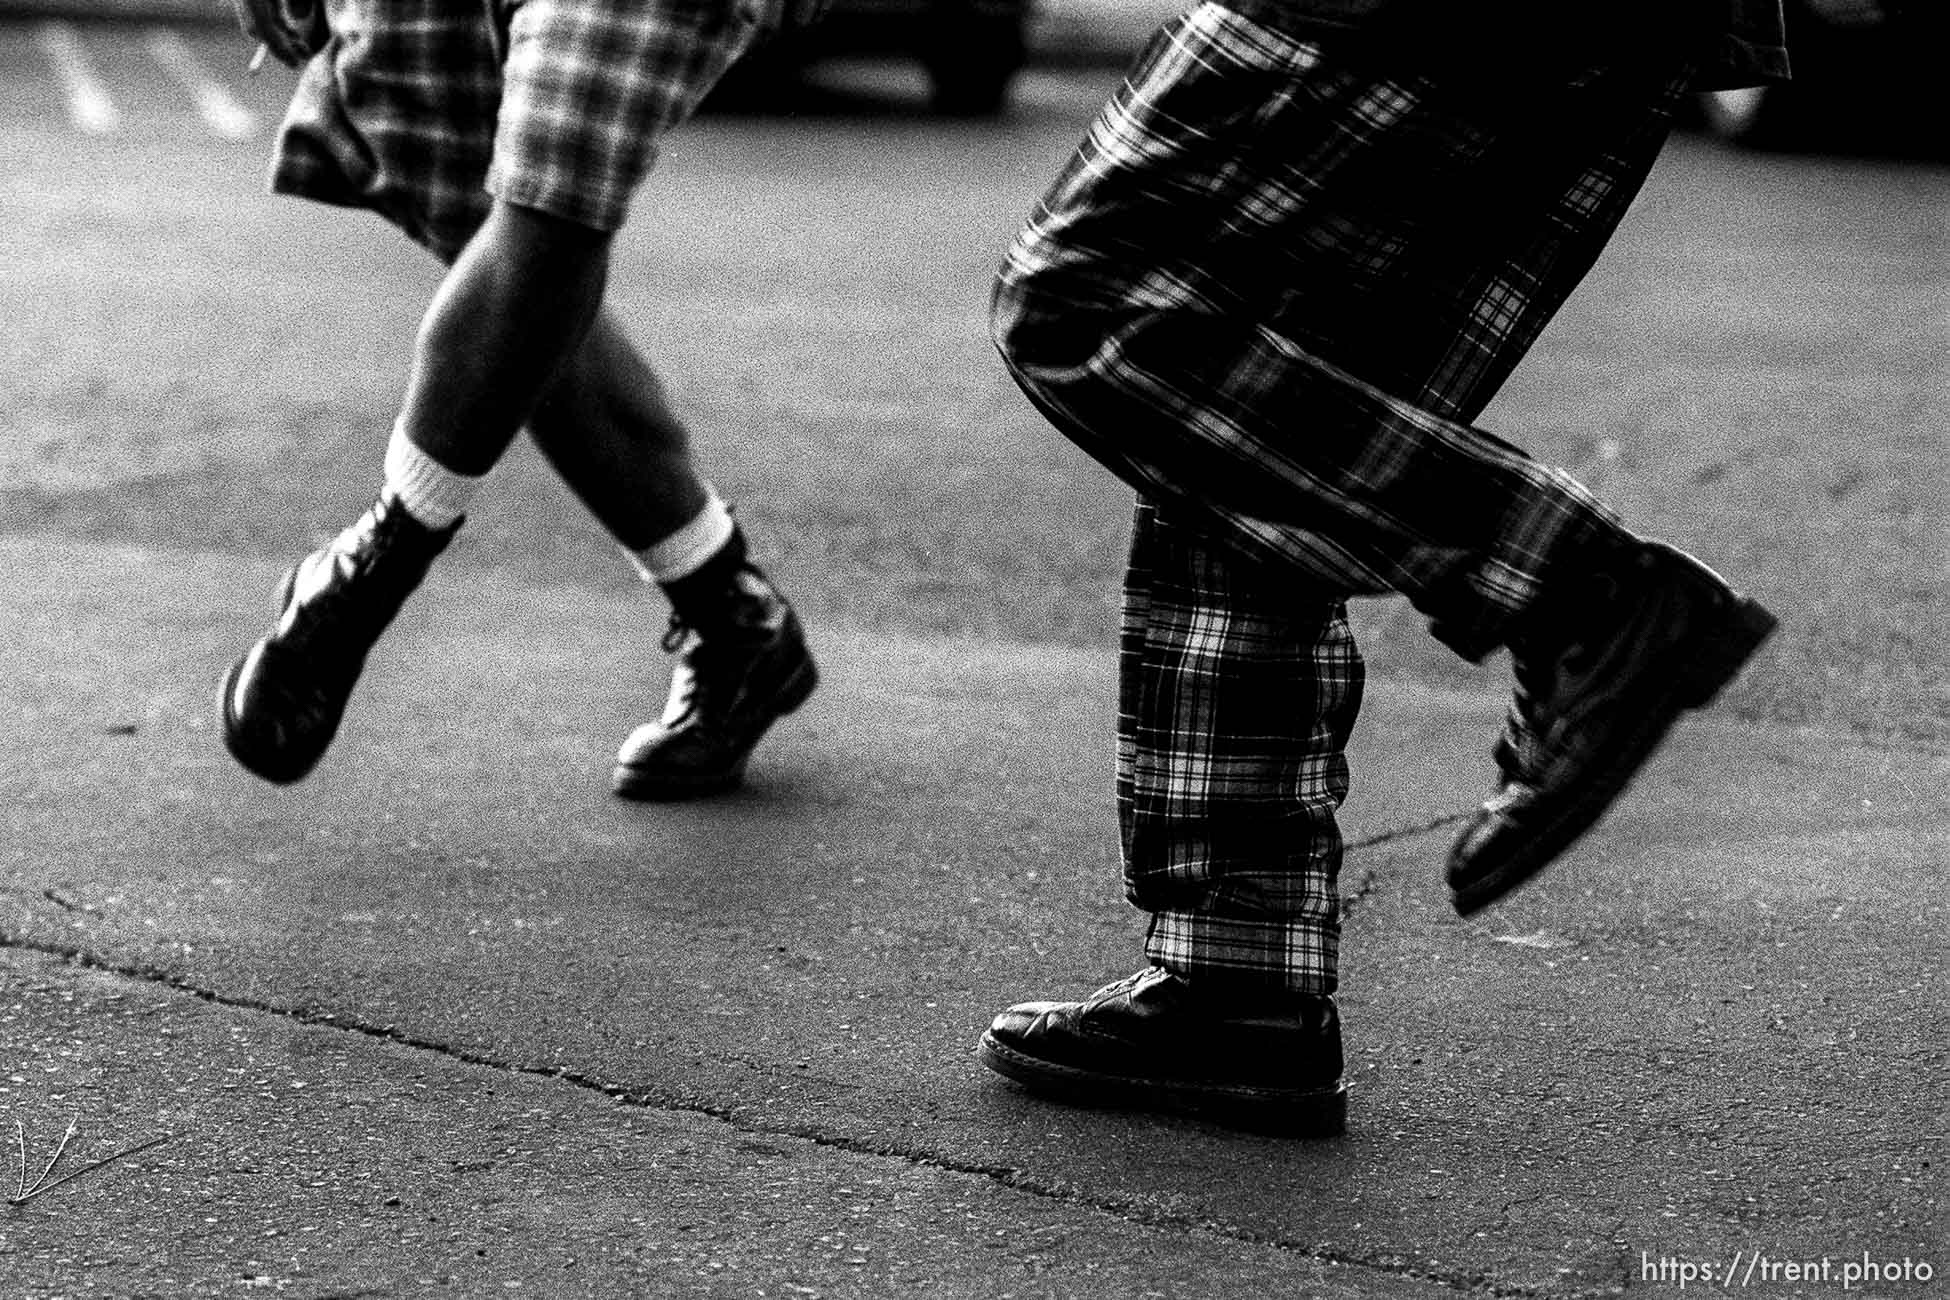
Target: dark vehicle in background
x,y
971,50
1868,76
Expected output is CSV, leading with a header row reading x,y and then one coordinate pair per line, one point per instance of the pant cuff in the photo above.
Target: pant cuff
x,y
1302,955
1556,538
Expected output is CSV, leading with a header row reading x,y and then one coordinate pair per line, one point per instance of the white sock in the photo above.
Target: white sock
x,y
685,551
431,493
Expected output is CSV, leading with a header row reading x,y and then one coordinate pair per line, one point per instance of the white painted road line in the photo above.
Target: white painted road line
x,y
219,107
89,105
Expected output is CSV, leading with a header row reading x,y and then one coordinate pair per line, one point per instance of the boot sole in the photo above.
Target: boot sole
x,y
1284,1112
1746,627
635,783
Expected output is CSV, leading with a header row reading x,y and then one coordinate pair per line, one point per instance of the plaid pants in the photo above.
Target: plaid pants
x,y
1270,290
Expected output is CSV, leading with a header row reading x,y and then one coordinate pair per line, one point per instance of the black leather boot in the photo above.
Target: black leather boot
x,y
742,664
282,702
1601,679
1258,1058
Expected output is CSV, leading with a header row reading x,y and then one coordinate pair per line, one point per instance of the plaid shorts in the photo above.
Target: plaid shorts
x,y
1270,290
427,110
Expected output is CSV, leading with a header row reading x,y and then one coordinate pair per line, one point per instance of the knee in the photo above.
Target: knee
x,y
1008,311
544,243
1041,333
522,270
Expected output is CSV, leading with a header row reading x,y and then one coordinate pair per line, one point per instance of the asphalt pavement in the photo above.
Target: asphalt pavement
x,y
450,1015
448,1018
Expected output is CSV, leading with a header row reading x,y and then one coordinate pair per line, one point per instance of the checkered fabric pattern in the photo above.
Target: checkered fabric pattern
x,y
1274,282
427,110
1271,290
1237,693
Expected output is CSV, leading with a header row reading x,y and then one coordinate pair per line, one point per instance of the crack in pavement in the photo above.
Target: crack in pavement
x,y
1370,879
65,903
1126,1209
1406,832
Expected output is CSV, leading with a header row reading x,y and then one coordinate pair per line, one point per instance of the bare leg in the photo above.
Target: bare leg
x,y
608,429
516,336
513,309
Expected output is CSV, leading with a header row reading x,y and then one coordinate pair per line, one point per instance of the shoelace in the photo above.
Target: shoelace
x,y
683,684
1527,739
674,634
350,586
1521,726
316,603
